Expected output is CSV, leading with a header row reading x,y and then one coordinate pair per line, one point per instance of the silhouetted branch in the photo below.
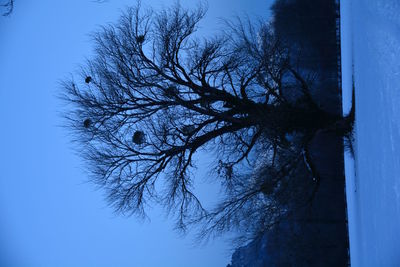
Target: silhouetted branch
x,y
8,6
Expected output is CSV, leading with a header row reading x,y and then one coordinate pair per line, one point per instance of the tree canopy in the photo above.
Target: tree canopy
x,y
155,94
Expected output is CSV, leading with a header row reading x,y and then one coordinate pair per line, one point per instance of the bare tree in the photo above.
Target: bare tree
x,y
155,94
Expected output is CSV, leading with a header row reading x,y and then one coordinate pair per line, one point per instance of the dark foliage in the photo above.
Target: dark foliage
x,y
314,234
88,79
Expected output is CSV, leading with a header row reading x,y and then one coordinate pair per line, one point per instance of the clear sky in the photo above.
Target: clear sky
x,y
49,214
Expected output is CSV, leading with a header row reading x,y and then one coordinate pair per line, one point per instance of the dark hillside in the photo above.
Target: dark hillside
x,y
309,26
315,234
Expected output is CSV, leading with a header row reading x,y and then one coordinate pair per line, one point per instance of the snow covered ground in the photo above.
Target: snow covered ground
x,y
370,31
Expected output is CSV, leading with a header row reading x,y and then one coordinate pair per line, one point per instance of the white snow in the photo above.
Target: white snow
x,y
370,35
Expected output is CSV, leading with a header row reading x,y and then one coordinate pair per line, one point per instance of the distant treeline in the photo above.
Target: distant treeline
x,y
310,24
316,234
309,27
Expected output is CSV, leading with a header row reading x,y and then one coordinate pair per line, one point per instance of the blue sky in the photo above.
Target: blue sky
x,y
49,214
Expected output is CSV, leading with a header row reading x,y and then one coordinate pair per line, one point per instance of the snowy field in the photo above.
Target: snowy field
x,y
370,32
